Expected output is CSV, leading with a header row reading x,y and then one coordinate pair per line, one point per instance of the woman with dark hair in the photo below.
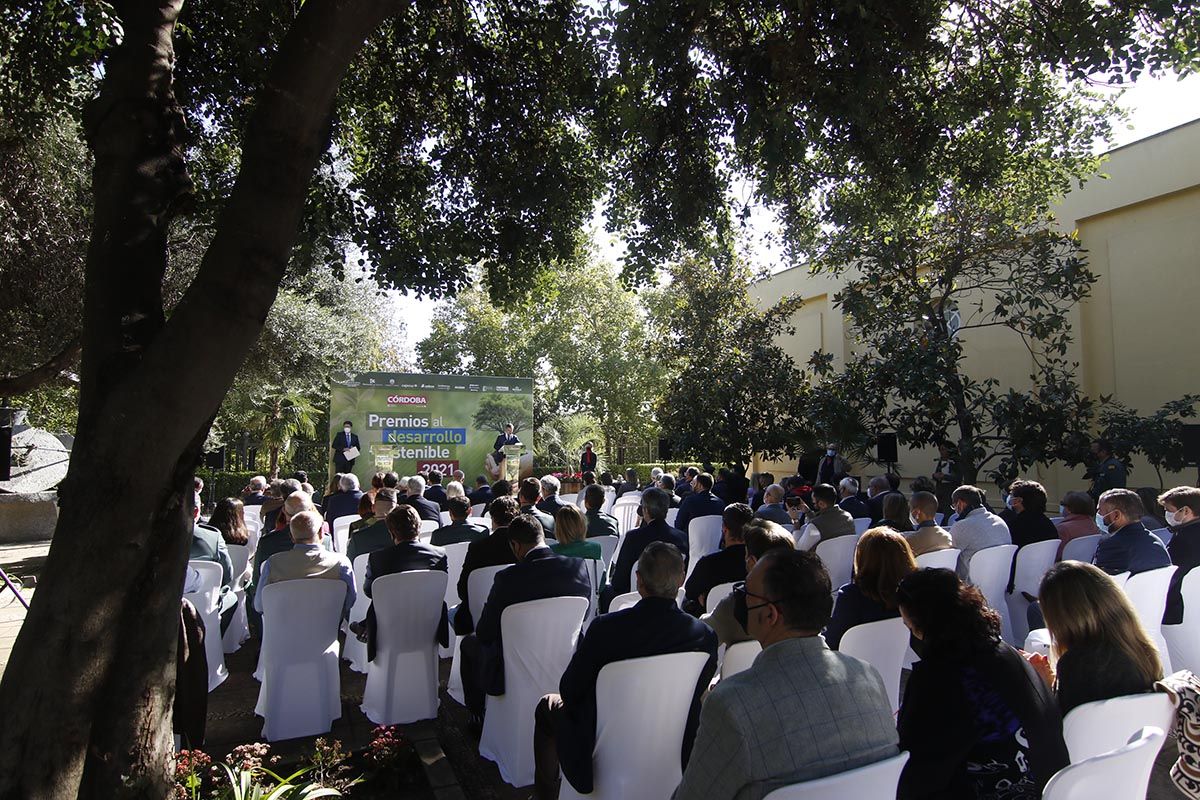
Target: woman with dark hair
x,y
229,518
1026,514
895,513
976,719
881,558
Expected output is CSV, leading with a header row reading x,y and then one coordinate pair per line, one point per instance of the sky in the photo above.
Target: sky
x,y
1154,105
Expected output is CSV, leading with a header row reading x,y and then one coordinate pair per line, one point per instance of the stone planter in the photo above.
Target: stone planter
x,y
28,517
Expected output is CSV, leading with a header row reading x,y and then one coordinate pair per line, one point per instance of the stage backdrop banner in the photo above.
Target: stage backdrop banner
x,y
408,423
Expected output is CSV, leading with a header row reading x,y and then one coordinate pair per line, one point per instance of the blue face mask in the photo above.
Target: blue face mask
x,y
1100,523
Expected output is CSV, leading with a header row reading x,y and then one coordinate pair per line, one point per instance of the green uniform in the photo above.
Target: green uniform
x,y
1108,474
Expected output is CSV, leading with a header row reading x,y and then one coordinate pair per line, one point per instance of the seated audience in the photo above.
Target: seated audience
x,y
976,528
550,502
455,489
630,484
1182,510
761,537
830,519
1026,514
375,536
878,488
344,502
895,513
490,551
459,530
773,507
406,553
667,484
700,503
426,509
538,574
927,536
881,558
758,496
482,493
208,544
654,510
1078,512
570,525
528,494
391,480
229,518
727,565
598,523
255,492
565,723
1131,548
850,502
1100,648
975,720
269,510
1153,517
307,559
768,727
435,492
502,488
376,485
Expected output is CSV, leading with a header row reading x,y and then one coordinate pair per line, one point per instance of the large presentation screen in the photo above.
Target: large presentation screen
x,y
409,423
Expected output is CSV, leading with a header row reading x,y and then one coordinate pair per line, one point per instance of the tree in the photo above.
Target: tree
x,y
1158,437
494,413
282,415
436,138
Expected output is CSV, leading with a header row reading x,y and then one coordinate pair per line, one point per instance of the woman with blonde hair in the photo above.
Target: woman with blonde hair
x,y
881,558
570,531
455,489
1100,648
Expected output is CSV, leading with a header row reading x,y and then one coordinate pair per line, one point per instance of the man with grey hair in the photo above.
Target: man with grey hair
x,y
878,488
307,559
565,723
976,528
1131,548
773,508
255,492
343,502
550,502
654,511
656,474
849,501
426,509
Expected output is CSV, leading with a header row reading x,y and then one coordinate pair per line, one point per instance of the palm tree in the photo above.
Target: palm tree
x,y
280,416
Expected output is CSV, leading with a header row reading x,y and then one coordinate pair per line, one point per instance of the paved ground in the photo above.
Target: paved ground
x,y
460,773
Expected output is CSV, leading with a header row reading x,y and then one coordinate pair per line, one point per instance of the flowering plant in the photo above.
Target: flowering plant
x,y
388,748
242,776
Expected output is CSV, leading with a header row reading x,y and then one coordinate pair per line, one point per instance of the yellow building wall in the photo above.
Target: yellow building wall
x,y
1134,337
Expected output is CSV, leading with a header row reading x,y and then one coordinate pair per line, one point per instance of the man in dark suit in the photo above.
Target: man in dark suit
x,y
459,530
630,484
878,488
482,493
255,492
407,553
667,484
435,493
588,461
343,502
529,493
505,439
490,551
727,565
538,574
850,502
700,503
416,498
773,507
598,523
550,502
565,723
656,529
342,442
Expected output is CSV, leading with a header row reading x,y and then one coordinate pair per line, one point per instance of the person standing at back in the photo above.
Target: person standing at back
x,y
588,460
1107,472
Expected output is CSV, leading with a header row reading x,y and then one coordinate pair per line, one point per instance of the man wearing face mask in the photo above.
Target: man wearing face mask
x,y
832,467
836,718
1182,507
976,527
345,441
761,537
927,536
1131,548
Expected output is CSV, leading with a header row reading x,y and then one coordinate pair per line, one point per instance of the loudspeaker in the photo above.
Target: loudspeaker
x,y
1191,444
5,453
885,445
215,459
666,451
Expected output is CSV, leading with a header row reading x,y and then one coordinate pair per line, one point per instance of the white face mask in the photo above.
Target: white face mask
x,y
347,429
1174,518
913,520
829,452
1062,510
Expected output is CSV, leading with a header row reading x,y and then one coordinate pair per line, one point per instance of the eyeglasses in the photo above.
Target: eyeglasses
x,y
739,588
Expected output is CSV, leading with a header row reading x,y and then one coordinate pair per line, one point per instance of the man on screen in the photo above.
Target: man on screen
x,y
344,441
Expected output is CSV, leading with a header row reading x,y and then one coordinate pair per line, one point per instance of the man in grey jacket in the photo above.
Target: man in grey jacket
x,y
802,711
976,528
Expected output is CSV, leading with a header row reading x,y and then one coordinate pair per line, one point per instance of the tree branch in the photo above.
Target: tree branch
x,y
52,369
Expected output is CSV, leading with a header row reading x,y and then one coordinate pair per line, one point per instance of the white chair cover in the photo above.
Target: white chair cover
x,y
1148,593
672,515
477,509
402,681
939,517
429,526
861,525
1183,640
1032,562
989,571
808,537
1082,548
641,711
872,782
539,639
1122,774
623,601
837,554
939,559
479,585
579,500
1093,729
239,556
1164,535
301,687
208,603
627,515
716,595
704,537
883,645
341,532
239,627
739,657
456,556
608,547
355,651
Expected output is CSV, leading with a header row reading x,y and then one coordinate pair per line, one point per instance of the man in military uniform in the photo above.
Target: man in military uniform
x,y
1109,471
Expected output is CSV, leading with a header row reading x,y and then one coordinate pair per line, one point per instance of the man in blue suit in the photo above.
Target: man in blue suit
x,y
538,574
654,509
344,441
700,503
565,723
343,502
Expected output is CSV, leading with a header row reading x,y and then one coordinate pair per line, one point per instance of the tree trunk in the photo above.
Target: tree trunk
x,y
87,693
274,462
52,369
